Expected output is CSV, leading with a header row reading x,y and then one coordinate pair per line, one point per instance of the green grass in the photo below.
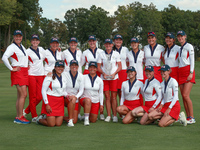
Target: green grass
x,y
100,135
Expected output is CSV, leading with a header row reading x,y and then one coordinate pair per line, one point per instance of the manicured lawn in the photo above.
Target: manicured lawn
x,y
100,135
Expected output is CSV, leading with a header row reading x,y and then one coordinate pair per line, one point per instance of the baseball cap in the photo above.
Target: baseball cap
x,y
35,36
73,62
149,67
54,40
151,34
130,68
59,63
171,35
108,41
73,39
16,32
134,39
92,37
164,68
93,63
180,33
118,36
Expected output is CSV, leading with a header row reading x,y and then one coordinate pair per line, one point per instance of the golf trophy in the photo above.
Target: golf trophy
x,y
108,66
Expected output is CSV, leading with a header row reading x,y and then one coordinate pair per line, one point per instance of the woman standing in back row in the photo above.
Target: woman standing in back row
x,y
36,57
170,55
123,51
186,74
153,55
16,52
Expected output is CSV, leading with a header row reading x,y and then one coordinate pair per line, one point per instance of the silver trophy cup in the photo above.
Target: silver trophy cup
x,y
108,66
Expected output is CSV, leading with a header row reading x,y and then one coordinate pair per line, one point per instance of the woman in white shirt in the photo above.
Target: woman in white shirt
x,y
18,57
186,74
74,89
109,64
130,97
92,98
36,56
169,108
53,92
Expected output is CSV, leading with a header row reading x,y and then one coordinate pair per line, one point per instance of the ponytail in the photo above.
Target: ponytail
x,y
54,72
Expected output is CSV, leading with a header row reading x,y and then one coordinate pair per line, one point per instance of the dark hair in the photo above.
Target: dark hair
x,y
54,74
166,46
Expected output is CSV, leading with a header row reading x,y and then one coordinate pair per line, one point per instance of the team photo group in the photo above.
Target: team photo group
x,y
147,90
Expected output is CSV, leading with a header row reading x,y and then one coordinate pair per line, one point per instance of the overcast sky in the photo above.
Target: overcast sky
x,y
56,8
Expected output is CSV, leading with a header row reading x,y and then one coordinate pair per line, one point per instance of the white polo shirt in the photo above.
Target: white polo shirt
x,y
153,57
67,56
171,56
50,60
17,56
35,62
131,92
136,60
74,85
114,59
93,89
123,51
186,56
152,91
88,56
170,92
54,87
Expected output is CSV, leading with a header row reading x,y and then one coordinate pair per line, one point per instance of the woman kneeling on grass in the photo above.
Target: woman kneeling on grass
x,y
92,97
130,96
52,92
152,95
169,109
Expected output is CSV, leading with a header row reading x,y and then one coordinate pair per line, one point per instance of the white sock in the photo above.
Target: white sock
x,y
86,116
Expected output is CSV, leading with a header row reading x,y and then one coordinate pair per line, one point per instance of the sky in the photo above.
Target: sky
x,y
57,8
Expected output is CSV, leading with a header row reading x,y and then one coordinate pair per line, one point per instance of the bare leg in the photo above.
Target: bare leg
x,y
114,102
122,110
58,120
128,118
21,97
138,112
166,121
93,118
108,102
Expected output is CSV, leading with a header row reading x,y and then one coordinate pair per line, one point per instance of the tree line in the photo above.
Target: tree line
x,y
132,20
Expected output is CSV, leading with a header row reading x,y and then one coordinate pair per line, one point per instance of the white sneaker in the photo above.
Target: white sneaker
x,y
38,119
123,116
34,119
102,117
24,114
115,119
86,122
191,121
107,119
70,123
182,119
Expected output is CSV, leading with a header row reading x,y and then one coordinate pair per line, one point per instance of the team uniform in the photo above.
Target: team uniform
x,y
36,77
109,84
186,63
131,94
170,97
74,85
123,51
136,60
89,56
50,60
93,89
153,58
171,59
18,57
152,94
68,55
53,92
